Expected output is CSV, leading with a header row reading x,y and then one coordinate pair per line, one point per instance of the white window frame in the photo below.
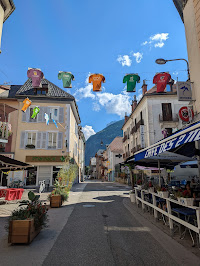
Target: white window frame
x,y
26,140
53,108
49,147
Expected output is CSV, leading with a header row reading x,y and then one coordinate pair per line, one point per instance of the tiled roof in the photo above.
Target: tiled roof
x,y
116,145
53,90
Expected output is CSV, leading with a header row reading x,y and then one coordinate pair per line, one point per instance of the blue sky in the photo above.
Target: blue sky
x,y
108,37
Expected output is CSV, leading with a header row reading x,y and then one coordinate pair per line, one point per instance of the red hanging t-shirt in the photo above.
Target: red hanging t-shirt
x,y
161,79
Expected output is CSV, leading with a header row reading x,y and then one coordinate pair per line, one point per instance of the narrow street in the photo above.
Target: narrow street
x,y
102,231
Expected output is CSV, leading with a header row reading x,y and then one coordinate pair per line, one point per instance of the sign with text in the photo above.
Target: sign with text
x,y
44,159
184,91
142,136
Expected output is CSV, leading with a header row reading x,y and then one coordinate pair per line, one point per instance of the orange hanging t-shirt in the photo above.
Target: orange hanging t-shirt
x,y
96,79
26,103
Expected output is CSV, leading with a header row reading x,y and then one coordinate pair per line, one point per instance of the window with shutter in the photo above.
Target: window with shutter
x,y
23,116
40,115
30,114
60,140
61,114
38,142
52,140
44,111
44,140
22,140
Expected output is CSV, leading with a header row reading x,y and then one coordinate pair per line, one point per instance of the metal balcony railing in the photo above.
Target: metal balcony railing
x,y
125,138
4,130
139,123
173,118
133,130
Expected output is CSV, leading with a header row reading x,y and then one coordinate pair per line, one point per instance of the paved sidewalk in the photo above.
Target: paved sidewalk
x,y
36,252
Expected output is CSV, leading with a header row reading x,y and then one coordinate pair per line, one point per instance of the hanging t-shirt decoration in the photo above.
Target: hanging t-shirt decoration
x,y
36,75
46,117
36,110
26,103
55,123
131,80
96,79
66,77
161,79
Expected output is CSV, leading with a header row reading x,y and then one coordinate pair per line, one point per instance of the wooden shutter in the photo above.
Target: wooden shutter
x,y
28,115
40,115
23,116
44,140
61,115
60,140
22,140
167,111
38,143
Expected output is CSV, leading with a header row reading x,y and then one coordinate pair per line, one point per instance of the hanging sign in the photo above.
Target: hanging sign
x,y
184,91
142,136
186,114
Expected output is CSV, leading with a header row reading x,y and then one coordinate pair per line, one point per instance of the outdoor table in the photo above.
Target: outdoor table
x,y
11,193
188,213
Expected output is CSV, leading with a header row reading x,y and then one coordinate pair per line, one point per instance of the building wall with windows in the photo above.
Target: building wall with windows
x,y
153,114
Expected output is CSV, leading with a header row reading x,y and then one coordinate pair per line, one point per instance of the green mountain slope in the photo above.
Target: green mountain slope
x,y
93,144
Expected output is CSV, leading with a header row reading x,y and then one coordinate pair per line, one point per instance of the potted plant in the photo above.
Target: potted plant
x,y
63,184
186,198
26,221
139,183
151,188
162,192
132,196
178,194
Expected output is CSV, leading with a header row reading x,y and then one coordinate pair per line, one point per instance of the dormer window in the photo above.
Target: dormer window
x,y
41,91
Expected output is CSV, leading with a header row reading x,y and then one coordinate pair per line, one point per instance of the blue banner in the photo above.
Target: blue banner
x,y
192,135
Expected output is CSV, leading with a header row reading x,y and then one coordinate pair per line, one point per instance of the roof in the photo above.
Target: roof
x,y
8,7
11,164
116,145
53,90
179,4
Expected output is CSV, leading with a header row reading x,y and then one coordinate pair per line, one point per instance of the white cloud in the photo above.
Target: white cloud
x,y
96,107
157,40
85,92
124,60
88,131
138,57
115,103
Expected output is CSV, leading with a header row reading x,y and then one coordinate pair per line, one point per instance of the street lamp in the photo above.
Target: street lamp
x,y
162,61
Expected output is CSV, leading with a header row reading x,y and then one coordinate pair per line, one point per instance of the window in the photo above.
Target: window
x,y
52,140
135,122
31,113
31,140
141,115
53,114
167,111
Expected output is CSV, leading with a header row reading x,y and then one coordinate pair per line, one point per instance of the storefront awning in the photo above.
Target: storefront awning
x,y
187,135
7,163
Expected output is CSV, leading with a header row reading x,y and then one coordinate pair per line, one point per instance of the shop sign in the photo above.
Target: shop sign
x,y
142,136
184,91
186,114
44,159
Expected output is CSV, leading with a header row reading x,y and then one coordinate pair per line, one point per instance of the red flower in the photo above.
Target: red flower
x,y
163,189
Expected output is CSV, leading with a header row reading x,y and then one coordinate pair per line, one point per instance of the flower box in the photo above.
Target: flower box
x,y
163,194
187,201
55,201
151,189
22,231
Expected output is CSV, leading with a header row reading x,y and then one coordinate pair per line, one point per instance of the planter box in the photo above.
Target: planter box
x,y
187,201
163,194
132,197
22,231
151,189
55,201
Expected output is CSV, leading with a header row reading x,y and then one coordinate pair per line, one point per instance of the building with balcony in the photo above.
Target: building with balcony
x,y
155,114
93,170
35,142
6,9
115,156
189,11
99,164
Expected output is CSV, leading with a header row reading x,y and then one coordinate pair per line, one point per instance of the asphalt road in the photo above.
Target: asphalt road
x,y
102,231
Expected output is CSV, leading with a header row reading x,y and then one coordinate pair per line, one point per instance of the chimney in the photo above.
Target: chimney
x,y
134,103
144,87
126,117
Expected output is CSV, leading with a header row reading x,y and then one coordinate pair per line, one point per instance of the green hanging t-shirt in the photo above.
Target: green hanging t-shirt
x,y
131,80
66,78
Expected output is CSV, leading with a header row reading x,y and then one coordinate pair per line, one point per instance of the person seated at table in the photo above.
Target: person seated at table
x,y
190,190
